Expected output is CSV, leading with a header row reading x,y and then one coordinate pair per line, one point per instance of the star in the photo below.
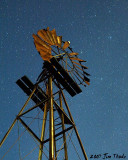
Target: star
x,y
109,37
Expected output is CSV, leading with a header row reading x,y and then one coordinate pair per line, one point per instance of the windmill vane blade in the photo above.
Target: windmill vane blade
x,y
59,40
80,65
78,59
66,45
73,53
86,73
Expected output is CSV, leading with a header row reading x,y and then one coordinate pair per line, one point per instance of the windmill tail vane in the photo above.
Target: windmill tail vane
x,y
62,72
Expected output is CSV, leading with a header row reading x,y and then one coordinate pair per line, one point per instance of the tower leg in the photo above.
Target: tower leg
x,y
43,131
77,134
55,144
18,115
63,128
51,120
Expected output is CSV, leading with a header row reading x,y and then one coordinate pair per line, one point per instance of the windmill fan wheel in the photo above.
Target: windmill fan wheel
x,y
49,46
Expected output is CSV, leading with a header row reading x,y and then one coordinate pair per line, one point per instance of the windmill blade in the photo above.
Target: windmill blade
x,y
46,36
87,83
73,53
78,59
66,45
45,53
47,29
38,40
80,65
54,36
59,41
86,79
40,47
83,77
50,37
84,67
86,73
41,33
82,70
45,56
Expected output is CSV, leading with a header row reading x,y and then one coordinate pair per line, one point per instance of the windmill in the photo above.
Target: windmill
x,y
62,70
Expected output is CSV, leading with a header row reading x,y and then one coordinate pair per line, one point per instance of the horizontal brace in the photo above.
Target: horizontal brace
x,y
56,118
58,134
58,124
58,128
37,105
58,138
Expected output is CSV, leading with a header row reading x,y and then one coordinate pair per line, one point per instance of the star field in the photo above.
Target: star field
x,y
98,31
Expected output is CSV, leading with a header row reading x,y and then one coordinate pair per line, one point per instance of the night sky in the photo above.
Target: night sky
x,y
98,31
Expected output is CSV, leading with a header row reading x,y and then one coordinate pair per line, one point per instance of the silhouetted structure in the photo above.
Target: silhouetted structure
x,y
62,70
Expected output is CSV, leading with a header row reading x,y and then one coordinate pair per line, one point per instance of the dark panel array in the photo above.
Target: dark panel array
x,y
62,77
66,75
59,78
27,86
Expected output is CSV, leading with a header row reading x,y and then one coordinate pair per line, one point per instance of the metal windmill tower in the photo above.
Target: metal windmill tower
x,y
62,70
